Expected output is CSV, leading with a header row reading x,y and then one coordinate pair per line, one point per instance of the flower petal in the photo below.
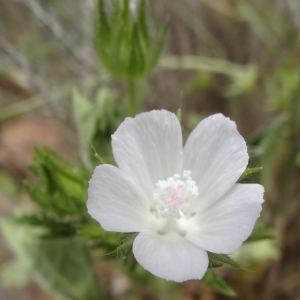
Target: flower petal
x,y
116,202
149,147
216,154
223,227
170,256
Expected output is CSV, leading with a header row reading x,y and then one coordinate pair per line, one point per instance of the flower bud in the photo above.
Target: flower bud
x,y
123,42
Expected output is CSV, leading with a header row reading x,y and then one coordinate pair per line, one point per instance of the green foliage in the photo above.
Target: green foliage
x,y
14,274
282,87
61,266
249,172
126,242
123,42
60,192
8,185
259,56
218,260
218,284
97,238
85,118
178,114
96,122
114,243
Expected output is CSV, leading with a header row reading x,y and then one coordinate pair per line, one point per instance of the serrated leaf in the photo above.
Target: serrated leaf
x,y
218,284
60,189
249,172
221,259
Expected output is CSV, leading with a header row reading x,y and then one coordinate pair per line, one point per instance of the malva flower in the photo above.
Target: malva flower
x,y
183,201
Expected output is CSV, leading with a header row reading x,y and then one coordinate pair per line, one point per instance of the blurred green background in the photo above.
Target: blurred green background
x,y
238,57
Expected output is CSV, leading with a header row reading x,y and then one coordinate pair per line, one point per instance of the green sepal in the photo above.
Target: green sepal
x,y
123,42
249,172
103,29
219,285
218,260
99,158
178,114
137,57
143,28
159,44
126,242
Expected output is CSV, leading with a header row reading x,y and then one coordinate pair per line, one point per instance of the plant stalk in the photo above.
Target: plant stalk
x,y
131,98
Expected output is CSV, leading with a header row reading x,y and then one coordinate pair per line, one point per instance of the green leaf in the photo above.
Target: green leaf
x,y
85,118
54,227
14,274
8,185
106,108
249,172
221,259
60,192
218,284
37,195
60,189
61,266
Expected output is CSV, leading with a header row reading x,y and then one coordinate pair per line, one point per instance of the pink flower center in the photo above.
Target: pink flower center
x,y
175,195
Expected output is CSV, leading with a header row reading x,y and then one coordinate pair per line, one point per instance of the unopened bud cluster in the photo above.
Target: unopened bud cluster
x,y
123,41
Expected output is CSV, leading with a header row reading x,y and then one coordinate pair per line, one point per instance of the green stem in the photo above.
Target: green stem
x,y
131,98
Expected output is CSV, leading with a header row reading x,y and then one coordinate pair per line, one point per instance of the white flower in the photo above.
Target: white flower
x,y
182,201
